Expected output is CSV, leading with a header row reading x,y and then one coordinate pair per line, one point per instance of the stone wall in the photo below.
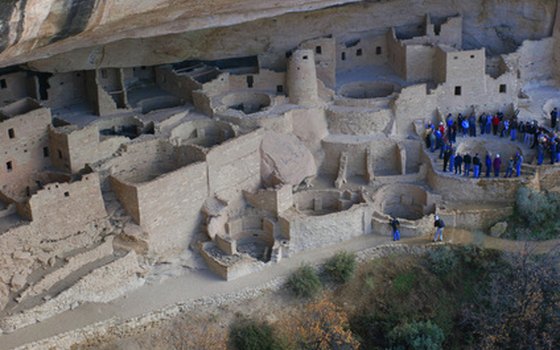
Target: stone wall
x,y
23,140
13,87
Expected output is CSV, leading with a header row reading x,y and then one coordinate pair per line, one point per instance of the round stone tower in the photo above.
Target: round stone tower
x,y
302,78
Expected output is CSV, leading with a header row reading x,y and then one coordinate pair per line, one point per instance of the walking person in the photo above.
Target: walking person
x,y
439,225
395,228
553,118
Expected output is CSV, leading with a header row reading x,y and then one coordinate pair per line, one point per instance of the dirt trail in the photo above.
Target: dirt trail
x,y
194,284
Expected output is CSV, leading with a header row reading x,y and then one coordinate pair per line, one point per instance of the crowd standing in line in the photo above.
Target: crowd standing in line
x,y
444,136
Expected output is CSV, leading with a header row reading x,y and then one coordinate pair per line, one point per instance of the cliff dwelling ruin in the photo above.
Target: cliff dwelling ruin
x,y
246,142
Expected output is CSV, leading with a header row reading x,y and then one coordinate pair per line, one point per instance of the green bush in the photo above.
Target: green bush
x,y
442,261
253,335
305,282
416,336
404,282
536,213
341,267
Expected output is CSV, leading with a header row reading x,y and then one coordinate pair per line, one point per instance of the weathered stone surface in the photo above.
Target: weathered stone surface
x,y
285,159
498,229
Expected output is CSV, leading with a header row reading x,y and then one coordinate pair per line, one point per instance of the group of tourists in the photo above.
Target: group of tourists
x,y
444,136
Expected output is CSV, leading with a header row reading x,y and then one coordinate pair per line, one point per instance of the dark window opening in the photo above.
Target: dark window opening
x,y
66,194
343,56
3,84
318,50
455,57
457,91
288,54
11,133
44,85
250,81
279,89
304,57
437,29
472,56
59,154
358,52
503,88
9,166
378,50
45,152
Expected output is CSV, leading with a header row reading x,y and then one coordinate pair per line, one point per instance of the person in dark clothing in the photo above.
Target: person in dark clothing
x,y
497,165
488,163
395,228
472,126
553,148
446,156
540,153
509,169
476,166
439,224
458,164
468,161
454,133
514,126
482,123
553,118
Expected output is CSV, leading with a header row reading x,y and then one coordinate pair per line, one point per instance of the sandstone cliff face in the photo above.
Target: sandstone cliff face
x,y
64,35
31,29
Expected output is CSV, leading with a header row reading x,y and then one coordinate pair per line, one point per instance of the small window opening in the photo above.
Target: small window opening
x,y
359,52
250,81
3,84
343,56
437,29
318,50
288,54
279,89
457,91
59,154
503,88
472,56
9,166
305,57
66,194
11,133
45,152
378,50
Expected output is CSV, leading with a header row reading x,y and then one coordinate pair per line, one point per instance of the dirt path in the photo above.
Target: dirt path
x,y
194,284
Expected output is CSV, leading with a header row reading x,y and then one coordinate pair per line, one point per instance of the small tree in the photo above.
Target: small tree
x,y
340,268
305,282
417,336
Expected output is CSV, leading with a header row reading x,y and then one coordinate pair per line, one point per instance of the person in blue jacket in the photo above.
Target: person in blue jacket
x,y
488,163
518,162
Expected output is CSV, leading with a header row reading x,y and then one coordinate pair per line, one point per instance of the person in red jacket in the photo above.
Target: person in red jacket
x,y
495,124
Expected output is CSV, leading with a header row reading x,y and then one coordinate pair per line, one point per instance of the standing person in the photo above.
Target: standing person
x,y
553,118
395,228
452,160
509,169
540,153
476,166
446,156
458,164
467,160
454,132
514,126
472,125
495,124
465,125
432,141
553,148
488,163
439,225
505,128
497,165
518,162
482,123
488,125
